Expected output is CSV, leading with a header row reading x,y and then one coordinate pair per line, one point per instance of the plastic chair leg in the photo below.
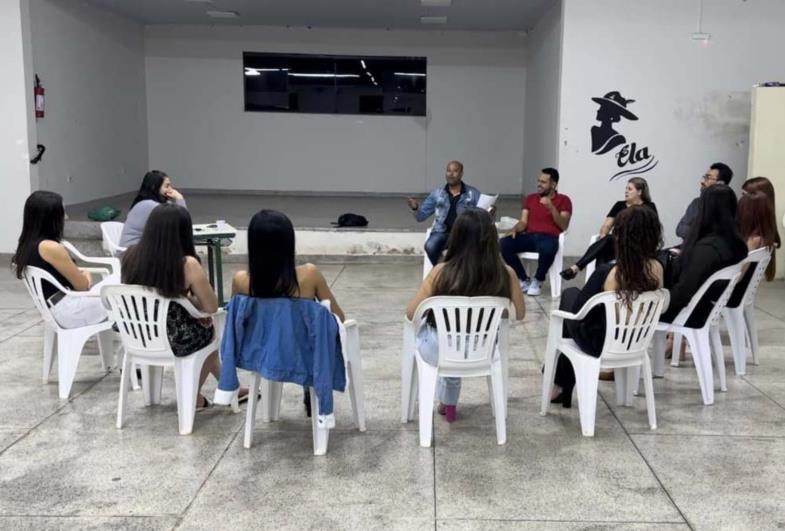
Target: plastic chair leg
x,y
49,348
587,379
734,319
489,383
186,379
321,435
69,349
356,380
719,358
135,385
276,391
427,377
676,350
407,371
648,384
497,397
752,330
250,415
658,344
620,383
122,400
698,341
106,349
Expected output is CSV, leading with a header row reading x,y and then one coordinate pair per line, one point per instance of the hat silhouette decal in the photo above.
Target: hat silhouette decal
x,y
613,107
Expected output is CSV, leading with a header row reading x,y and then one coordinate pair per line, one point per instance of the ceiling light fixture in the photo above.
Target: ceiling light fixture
x,y
433,20
363,63
436,3
699,34
413,74
223,14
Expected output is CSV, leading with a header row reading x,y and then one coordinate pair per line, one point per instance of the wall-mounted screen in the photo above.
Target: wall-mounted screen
x,y
335,84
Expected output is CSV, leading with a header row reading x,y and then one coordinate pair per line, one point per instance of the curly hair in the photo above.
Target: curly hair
x,y
637,236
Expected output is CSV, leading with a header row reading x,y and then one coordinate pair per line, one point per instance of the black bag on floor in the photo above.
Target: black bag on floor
x,y
351,220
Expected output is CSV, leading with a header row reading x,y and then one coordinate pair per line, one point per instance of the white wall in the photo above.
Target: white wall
x,y
693,101
200,134
15,132
91,64
543,84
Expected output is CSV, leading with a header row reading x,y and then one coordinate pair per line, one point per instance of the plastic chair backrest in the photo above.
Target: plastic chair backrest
x,y
467,328
731,274
140,315
629,329
111,231
759,259
33,277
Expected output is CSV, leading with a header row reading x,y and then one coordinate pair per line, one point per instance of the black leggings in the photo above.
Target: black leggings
x,y
601,250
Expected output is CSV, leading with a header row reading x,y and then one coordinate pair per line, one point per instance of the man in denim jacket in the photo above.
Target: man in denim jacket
x,y
445,203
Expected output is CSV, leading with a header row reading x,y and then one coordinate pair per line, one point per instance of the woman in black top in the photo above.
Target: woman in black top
x,y
636,238
713,243
39,246
635,193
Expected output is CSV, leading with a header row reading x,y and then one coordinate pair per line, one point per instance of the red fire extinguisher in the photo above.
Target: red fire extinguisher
x,y
39,98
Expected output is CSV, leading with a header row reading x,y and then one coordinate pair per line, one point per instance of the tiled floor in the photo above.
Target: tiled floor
x,y
63,465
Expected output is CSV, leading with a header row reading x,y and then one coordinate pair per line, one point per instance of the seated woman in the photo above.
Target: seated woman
x,y
39,246
272,271
473,267
165,259
635,193
637,236
713,242
757,224
156,189
762,184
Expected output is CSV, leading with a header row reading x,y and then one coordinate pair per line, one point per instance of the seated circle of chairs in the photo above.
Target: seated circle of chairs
x,y
472,337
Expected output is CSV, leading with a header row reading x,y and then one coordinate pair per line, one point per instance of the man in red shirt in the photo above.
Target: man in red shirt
x,y
545,215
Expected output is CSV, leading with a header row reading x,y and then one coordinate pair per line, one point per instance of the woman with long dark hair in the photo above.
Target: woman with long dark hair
x,y
637,236
763,185
156,189
272,271
165,259
473,267
713,242
757,226
39,246
636,193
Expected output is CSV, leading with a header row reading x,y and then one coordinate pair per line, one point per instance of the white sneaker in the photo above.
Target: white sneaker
x,y
534,288
524,284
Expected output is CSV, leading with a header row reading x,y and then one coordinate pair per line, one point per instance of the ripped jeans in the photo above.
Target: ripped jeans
x,y
427,342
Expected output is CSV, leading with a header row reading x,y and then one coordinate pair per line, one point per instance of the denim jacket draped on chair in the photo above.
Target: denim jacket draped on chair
x,y
283,339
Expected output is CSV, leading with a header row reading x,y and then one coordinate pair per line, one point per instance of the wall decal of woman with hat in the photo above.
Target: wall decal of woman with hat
x,y
613,107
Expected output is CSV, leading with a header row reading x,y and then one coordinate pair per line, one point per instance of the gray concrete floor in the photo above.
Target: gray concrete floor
x,y
63,465
305,211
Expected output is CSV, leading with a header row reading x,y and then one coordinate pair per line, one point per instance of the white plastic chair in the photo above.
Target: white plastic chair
x,y
628,332
409,366
467,328
741,320
140,314
70,341
699,339
553,273
591,266
271,392
111,231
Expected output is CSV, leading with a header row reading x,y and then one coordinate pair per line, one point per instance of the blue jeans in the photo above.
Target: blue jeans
x,y
434,246
449,389
544,244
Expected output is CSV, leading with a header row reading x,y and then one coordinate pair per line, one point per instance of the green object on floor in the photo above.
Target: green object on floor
x,y
104,213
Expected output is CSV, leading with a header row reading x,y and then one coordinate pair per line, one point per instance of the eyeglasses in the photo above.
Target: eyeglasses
x,y
708,177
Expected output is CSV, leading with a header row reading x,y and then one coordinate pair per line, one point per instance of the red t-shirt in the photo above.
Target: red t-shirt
x,y
540,218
